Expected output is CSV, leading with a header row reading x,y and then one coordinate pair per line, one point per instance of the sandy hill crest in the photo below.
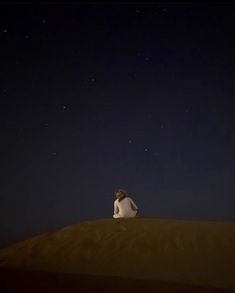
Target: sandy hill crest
x,y
192,252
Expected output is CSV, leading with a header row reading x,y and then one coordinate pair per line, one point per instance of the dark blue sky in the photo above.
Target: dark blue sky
x,y
100,96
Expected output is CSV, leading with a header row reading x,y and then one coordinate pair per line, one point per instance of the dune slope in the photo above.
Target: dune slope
x,y
189,252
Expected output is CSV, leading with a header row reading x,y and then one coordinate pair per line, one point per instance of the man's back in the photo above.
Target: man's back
x,y
125,208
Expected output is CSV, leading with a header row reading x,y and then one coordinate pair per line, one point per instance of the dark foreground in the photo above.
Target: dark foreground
x,y
18,280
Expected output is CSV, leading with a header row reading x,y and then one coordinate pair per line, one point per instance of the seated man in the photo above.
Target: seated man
x,y
124,207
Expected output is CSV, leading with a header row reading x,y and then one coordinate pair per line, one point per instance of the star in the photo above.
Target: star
x,y
186,110
54,153
64,107
4,30
27,37
145,149
129,141
137,11
146,59
43,21
93,79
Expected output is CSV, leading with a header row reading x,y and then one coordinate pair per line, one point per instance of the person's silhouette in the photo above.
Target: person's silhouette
x,y
124,206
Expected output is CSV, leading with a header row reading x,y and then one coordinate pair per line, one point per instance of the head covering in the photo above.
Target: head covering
x,y
121,194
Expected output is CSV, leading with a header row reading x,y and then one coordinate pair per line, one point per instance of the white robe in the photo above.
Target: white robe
x,y
125,208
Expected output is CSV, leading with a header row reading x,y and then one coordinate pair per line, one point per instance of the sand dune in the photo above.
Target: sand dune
x,y
150,250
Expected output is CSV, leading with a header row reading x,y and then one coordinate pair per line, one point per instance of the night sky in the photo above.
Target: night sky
x,y
96,97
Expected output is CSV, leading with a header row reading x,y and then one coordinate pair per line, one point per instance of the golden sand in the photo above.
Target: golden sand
x,y
189,252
